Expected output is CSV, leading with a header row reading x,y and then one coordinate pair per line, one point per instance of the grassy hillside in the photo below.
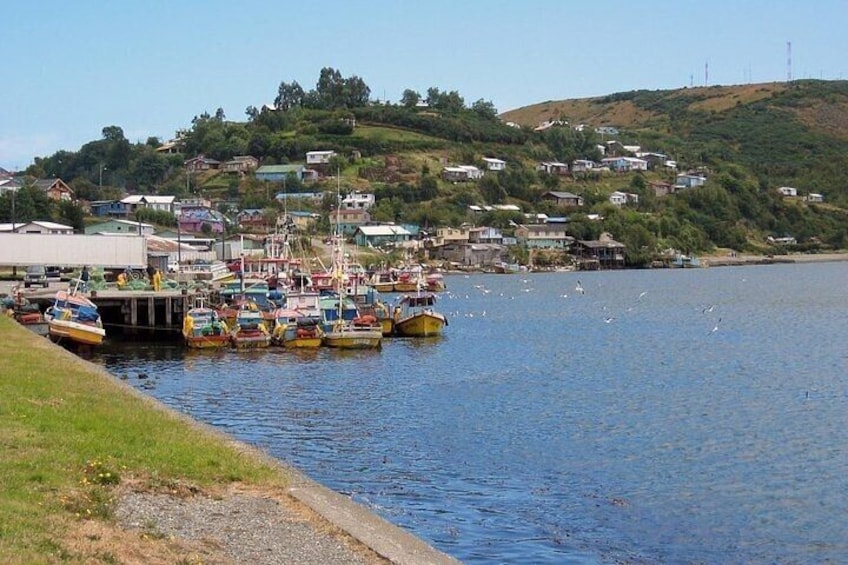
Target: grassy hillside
x,y
748,140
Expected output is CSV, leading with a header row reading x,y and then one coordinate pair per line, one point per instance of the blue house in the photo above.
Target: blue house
x,y
109,208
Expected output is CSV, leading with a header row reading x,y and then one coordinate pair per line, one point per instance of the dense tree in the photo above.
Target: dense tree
x,y
410,98
485,109
289,95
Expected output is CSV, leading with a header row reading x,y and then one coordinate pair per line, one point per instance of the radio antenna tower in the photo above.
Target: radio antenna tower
x,y
788,61
706,73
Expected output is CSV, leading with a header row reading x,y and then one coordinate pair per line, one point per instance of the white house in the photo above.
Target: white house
x,y
493,164
553,167
687,180
358,201
788,191
163,203
621,198
461,173
582,165
625,164
319,157
38,227
815,197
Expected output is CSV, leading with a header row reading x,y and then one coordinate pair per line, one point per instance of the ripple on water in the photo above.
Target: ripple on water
x,y
662,416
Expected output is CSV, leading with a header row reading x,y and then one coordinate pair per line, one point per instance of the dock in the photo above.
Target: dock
x,y
132,312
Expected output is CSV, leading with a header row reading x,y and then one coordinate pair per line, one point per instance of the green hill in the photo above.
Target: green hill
x,y
746,140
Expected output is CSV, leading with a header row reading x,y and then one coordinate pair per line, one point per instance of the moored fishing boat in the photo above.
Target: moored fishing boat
x,y
415,316
25,313
235,295
407,281
294,329
203,328
249,330
75,318
435,282
345,328
382,281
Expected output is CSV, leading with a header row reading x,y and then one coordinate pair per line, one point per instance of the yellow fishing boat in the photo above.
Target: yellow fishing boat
x,y
74,317
415,316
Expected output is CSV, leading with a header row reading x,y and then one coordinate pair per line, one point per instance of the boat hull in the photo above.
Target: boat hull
x,y
383,287
420,325
405,286
303,342
370,338
76,332
207,341
250,341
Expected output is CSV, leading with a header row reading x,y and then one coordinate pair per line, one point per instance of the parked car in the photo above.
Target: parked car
x,y
35,274
53,272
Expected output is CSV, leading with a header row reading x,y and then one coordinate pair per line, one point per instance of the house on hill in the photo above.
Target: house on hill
x,y
625,164
201,163
118,226
375,236
661,188
318,158
277,173
252,218
56,189
604,253
493,164
161,203
462,173
240,164
690,180
619,198
193,219
582,166
358,200
563,198
788,191
552,168
543,236
108,208
347,221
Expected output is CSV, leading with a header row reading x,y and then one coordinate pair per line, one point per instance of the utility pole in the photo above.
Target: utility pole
x,y
788,61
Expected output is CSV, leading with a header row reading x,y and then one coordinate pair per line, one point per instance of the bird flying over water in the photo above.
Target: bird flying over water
x,y
715,329
579,288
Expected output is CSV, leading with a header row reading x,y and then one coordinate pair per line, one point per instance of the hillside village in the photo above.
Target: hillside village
x,y
402,184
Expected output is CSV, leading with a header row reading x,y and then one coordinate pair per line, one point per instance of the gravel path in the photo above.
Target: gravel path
x,y
238,527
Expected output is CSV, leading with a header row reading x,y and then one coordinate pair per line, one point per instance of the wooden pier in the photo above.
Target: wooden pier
x,y
132,312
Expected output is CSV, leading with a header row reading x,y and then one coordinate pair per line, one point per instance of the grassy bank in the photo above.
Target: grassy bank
x,y
72,436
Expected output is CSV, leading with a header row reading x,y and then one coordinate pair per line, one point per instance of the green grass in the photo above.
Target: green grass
x,y
69,433
388,133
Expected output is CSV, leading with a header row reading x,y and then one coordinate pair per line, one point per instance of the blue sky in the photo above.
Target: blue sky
x,y
72,68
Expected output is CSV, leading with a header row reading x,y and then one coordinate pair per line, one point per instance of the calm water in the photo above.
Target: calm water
x,y
669,416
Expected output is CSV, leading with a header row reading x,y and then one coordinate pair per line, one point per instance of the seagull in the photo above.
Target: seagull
x,y
708,309
579,288
643,293
715,329
608,319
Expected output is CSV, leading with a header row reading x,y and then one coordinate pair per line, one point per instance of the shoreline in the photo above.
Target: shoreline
x,y
750,260
300,521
